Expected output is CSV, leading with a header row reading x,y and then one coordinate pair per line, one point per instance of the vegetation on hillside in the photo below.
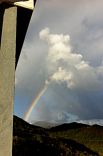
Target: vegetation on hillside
x,y
29,140
90,136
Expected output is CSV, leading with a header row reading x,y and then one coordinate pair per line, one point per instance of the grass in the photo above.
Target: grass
x,y
91,137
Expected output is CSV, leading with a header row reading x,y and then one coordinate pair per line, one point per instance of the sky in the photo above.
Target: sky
x,y
59,77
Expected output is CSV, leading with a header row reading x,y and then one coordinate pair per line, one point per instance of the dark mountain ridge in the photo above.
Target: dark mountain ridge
x,y
29,140
67,126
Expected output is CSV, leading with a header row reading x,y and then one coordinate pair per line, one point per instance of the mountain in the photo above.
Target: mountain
x,y
30,140
49,124
22,127
45,124
66,126
89,135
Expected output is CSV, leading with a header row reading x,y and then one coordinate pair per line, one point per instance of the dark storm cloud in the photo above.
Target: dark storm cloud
x,y
82,20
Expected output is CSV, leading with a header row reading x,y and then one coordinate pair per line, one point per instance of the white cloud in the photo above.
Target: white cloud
x,y
61,76
66,117
92,122
82,20
65,65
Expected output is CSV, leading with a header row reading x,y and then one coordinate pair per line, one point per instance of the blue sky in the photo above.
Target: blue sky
x,y
64,46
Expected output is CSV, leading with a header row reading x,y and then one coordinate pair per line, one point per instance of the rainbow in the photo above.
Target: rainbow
x,y
33,104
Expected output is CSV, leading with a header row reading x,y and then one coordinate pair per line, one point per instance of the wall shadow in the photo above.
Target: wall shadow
x,y
23,19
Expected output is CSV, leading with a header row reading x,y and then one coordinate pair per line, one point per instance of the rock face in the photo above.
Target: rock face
x,y
29,140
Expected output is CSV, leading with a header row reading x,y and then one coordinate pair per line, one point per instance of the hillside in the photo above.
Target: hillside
x,y
29,140
90,136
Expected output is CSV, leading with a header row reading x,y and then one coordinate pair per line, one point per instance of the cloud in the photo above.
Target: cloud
x,y
64,116
82,20
84,82
66,66
92,122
